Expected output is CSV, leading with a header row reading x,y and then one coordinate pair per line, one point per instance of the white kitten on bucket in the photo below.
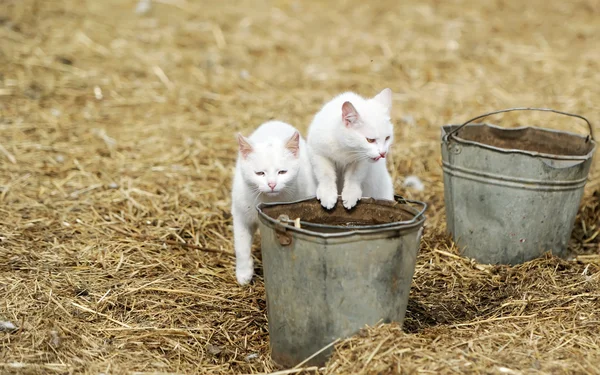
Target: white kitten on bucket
x,y
272,166
348,141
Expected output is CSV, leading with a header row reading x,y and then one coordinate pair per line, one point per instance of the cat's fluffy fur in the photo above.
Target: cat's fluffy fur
x,y
272,165
348,140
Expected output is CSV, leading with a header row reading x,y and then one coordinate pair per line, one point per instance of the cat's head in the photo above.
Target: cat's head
x,y
371,132
271,165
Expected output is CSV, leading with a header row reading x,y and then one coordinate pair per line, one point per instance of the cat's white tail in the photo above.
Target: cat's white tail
x,y
143,6
414,182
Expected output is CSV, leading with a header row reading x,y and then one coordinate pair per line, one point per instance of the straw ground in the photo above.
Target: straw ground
x,y
116,153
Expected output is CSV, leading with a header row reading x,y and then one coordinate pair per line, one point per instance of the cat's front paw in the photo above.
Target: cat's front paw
x,y
351,195
244,273
327,196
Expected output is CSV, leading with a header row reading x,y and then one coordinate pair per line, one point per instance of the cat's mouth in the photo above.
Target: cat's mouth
x,y
375,158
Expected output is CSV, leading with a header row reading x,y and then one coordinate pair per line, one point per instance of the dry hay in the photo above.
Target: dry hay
x,y
116,145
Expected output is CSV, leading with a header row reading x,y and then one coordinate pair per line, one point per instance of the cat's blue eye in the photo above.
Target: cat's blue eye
x,y
260,173
282,172
371,140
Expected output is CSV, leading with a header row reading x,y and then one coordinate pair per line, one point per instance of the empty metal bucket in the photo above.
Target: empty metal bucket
x,y
513,194
329,273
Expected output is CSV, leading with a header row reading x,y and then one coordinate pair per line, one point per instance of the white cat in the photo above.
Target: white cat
x,y
348,141
272,166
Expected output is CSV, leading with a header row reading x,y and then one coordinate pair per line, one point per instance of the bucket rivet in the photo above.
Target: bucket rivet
x,y
284,239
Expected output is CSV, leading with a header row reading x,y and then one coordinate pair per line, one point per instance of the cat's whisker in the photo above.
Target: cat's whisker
x,y
358,158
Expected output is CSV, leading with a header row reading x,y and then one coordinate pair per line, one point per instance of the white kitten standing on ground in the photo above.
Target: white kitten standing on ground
x,y
272,166
348,141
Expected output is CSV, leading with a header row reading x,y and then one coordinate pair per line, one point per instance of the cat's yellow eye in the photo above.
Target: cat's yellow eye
x,y
260,173
371,140
387,138
282,172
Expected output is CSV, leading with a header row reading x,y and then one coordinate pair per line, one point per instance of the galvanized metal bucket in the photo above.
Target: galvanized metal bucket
x,y
513,194
329,273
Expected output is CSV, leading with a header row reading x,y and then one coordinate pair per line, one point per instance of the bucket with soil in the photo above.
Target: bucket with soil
x,y
512,194
329,273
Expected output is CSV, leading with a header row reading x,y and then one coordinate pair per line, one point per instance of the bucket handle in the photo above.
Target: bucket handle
x,y
284,238
400,199
587,139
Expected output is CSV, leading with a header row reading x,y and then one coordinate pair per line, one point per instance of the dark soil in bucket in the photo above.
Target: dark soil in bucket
x,y
367,212
527,139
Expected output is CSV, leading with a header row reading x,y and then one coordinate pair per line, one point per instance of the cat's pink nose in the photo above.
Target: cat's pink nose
x,y
382,154
272,185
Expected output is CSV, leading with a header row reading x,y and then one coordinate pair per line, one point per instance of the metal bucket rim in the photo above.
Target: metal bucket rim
x,y
416,221
338,238
397,199
516,150
273,223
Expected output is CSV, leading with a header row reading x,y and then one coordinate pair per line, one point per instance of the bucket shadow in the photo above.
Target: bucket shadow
x,y
434,305
421,315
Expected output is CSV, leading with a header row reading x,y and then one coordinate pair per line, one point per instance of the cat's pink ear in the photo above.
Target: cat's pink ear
x,y
349,114
385,98
245,146
293,144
